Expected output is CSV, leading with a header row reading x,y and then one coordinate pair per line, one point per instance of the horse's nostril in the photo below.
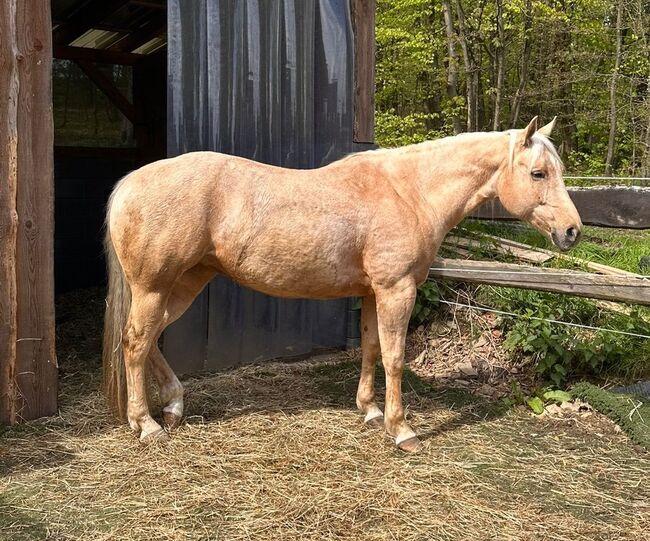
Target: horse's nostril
x,y
572,233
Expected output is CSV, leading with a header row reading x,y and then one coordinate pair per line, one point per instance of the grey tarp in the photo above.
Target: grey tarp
x,y
270,80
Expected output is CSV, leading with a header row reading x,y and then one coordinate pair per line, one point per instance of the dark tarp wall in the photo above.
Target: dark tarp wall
x,y
270,80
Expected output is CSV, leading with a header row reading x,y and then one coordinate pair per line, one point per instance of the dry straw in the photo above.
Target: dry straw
x,y
277,451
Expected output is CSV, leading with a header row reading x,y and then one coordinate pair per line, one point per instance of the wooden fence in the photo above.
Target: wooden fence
x,y
629,289
625,207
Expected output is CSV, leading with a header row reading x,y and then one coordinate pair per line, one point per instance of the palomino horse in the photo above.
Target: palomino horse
x,y
368,225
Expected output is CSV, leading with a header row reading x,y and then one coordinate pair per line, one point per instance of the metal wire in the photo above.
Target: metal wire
x,y
521,316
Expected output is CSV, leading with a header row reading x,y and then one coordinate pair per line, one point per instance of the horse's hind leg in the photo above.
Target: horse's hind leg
x,y
183,293
369,354
142,329
169,387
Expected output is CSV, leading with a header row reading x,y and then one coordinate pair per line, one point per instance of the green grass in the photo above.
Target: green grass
x,y
631,413
620,248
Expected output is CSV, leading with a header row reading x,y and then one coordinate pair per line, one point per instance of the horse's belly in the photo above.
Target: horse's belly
x,y
287,276
299,270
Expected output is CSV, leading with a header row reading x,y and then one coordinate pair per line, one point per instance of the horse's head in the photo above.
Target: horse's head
x,y
533,188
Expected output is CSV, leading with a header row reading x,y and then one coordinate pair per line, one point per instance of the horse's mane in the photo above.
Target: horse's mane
x,y
540,144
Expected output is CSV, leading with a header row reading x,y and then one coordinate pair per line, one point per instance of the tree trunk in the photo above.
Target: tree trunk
x,y
500,66
452,68
612,90
525,58
471,73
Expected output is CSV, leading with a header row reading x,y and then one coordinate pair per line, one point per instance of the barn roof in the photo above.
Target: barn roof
x,y
108,31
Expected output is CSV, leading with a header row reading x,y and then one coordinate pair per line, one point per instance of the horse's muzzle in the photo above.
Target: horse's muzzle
x,y
565,239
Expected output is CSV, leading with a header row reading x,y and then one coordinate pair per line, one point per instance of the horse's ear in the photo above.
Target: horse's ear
x,y
548,129
528,132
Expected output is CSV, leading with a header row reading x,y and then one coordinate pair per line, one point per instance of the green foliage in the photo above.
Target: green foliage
x,y
535,403
392,130
630,413
560,351
427,300
571,48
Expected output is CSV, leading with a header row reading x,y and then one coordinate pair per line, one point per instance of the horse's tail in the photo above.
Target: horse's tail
x,y
118,304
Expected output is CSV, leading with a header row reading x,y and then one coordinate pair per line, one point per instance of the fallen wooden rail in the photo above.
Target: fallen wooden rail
x,y
582,284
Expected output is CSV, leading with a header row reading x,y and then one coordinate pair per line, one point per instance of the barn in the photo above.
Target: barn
x,y
92,89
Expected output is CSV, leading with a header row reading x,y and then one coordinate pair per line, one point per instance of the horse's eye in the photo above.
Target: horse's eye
x,y
538,175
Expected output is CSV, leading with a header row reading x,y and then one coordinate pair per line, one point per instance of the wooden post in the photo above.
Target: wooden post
x,y
36,367
363,26
28,372
8,216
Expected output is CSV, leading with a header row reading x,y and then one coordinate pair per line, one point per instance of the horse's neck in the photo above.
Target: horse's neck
x,y
457,174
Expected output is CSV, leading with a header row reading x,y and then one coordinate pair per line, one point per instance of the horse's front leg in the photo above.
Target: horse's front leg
x,y
394,307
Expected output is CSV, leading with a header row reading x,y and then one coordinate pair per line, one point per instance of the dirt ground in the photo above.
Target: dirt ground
x,y
278,451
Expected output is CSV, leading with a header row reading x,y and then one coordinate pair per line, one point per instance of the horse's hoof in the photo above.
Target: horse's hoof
x,y
411,445
158,436
375,422
171,419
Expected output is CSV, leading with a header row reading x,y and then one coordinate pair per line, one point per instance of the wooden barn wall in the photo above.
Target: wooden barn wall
x,y
270,81
28,375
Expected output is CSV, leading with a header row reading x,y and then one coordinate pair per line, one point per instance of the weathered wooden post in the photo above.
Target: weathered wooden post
x,y
28,371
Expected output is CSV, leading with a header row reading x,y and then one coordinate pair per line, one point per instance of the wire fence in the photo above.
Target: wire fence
x,y
549,320
608,181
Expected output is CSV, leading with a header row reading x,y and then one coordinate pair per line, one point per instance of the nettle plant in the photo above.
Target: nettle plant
x,y
560,351
426,302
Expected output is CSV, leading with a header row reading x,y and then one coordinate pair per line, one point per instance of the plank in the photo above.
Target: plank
x,y
154,27
595,267
521,251
109,89
582,284
101,56
605,206
36,366
363,26
8,217
83,19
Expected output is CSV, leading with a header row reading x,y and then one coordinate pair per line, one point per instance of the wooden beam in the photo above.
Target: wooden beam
x,y
36,366
611,206
113,153
100,56
84,18
109,89
582,284
153,28
152,5
363,26
9,85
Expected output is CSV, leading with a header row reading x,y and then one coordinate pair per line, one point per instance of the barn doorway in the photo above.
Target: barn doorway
x,y
109,93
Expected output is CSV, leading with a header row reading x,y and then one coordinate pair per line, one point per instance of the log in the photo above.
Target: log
x,y
627,289
36,367
598,268
8,216
518,250
610,206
